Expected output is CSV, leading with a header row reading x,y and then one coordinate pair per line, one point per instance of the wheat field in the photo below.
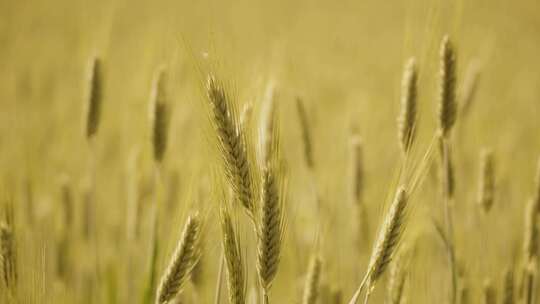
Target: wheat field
x,y
247,151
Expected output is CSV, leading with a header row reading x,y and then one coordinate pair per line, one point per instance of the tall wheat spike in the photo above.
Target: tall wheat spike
x,y
94,97
184,259
160,114
357,190
233,260
232,143
388,238
407,116
271,224
447,169
447,94
486,190
312,281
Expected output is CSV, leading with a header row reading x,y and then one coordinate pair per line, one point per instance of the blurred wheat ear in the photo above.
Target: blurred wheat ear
x,y
94,97
447,94
312,281
486,191
407,116
161,114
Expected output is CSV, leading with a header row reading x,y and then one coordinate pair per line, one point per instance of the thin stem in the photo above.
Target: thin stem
x,y
219,278
265,296
366,299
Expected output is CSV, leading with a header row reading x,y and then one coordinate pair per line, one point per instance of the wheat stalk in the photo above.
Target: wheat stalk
x,y
182,262
447,102
407,116
232,143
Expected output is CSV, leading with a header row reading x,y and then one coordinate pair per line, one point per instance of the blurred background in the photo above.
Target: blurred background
x,y
343,58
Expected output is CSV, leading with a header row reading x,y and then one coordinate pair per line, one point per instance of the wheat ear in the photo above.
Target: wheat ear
x,y
312,281
160,114
182,262
385,246
94,97
486,191
447,94
233,260
407,116
271,225
232,143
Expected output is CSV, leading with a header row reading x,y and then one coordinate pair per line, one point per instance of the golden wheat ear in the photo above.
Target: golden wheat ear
x,y
447,87
407,116
270,228
233,259
387,241
232,143
182,262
